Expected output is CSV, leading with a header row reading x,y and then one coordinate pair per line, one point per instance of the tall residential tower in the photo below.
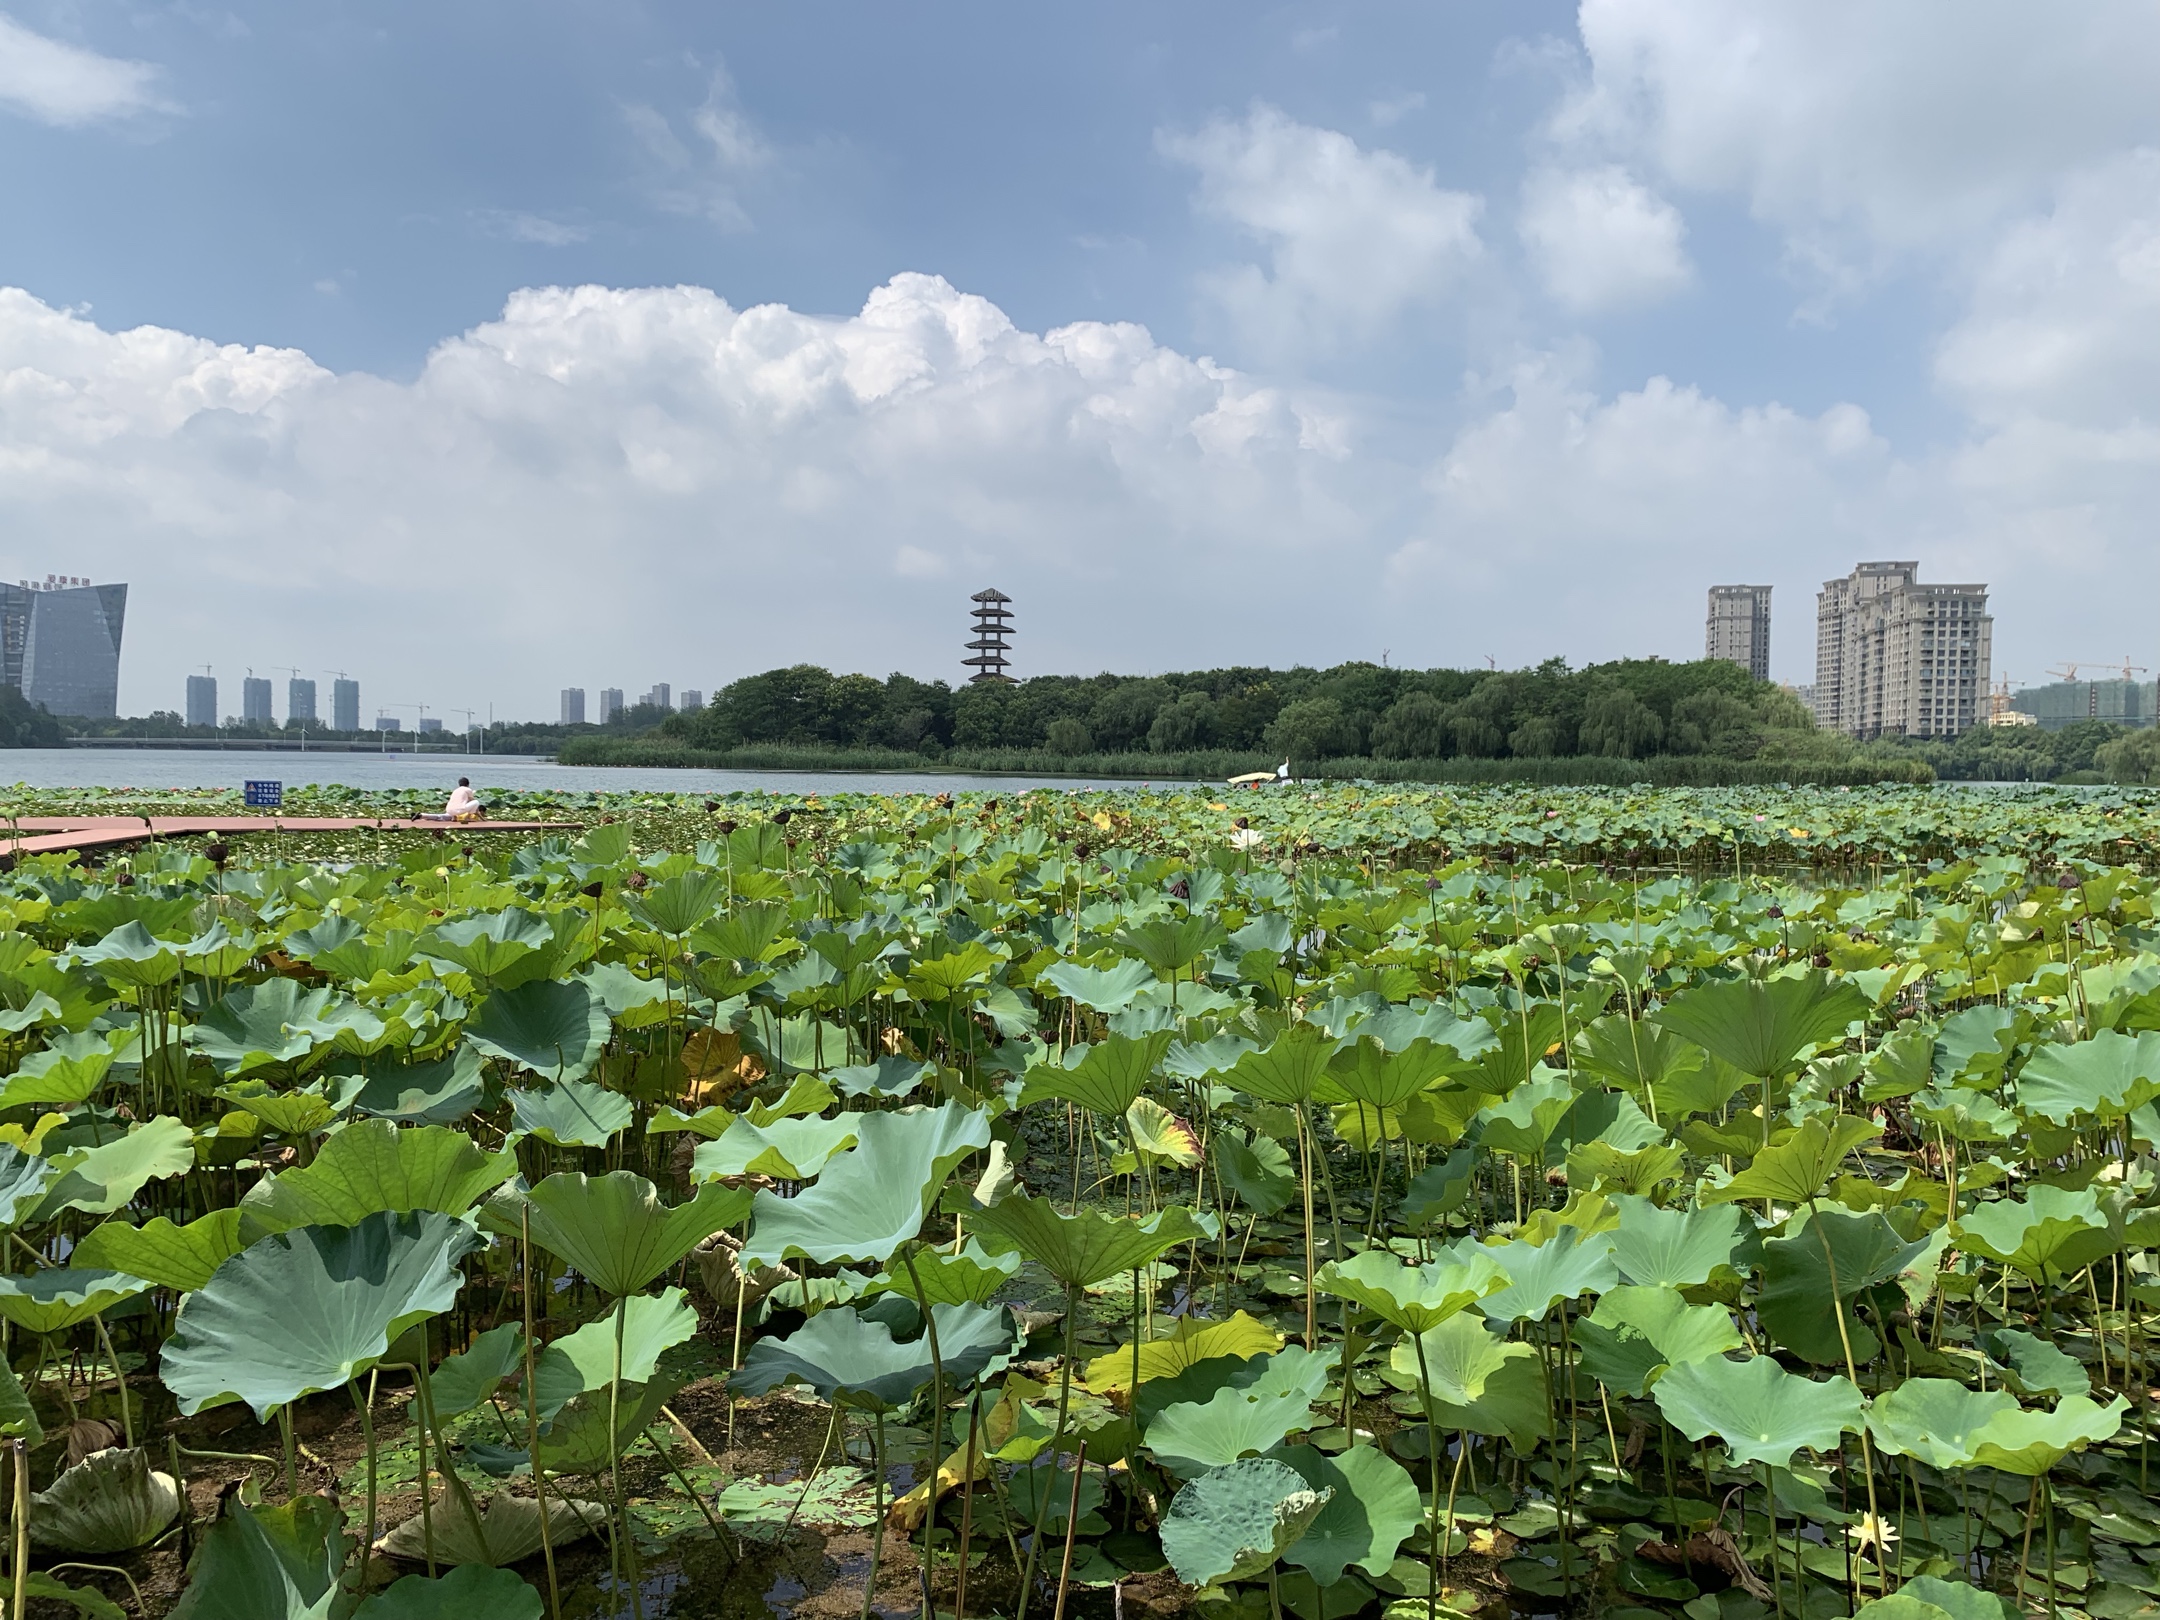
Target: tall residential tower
x,y
1896,658
1739,627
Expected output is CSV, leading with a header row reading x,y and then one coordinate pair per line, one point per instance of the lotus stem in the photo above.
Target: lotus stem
x,y
364,1406
937,1438
21,1562
532,1412
967,1504
877,1536
1057,1440
1434,1549
127,1415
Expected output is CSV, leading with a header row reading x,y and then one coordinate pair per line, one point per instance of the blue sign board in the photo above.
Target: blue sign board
x,y
264,795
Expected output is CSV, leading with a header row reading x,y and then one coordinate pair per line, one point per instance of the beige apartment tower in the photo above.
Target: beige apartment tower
x,y
1739,627
1896,658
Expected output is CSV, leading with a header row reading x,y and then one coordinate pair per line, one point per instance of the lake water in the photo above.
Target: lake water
x,y
216,768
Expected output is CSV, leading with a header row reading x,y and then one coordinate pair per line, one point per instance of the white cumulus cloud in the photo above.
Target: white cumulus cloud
x,y
58,83
1354,238
1599,239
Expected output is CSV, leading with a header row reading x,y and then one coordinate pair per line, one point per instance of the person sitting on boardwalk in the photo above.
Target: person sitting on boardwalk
x,y
464,804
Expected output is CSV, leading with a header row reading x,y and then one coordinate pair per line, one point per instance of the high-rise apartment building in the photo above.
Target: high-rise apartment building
x,y
300,701
1896,658
611,704
345,705
573,705
692,700
661,697
60,644
202,709
1739,627
255,702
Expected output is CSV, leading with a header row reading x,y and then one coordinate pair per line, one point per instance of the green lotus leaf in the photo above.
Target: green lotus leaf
x,y
370,1166
1365,1071
133,957
17,1416
1650,1063
872,1198
268,1563
1677,1248
1413,1298
2050,1230
1104,1077
1290,1071
787,1149
23,1180
67,1072
584,1361
52,1301
441,1092
310,1309
1541,1275
1522,1123
284,1113
2105,1076
1929,1597
1087,1248
570,1113
1764,1027
1797,1294
552,1027
1233,1522
1793,1171
1256,1168
1169,943
2031,1443
1477,1382
1374,1507
1636,1332
1106,990
579,1439
461,1382
1934,1419
1762,1412
613,1228
888,1077
472,1591
98,1180
111,1501
509,1533
1241,1419
853,1361
273,1025
2033,1366
971,1277
84,1600
178,1258
492,947
678,904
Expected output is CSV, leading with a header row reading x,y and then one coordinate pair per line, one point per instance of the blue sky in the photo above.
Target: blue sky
x,y
1471,330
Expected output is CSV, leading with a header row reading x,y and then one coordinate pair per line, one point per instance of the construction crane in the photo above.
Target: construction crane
x,y
469,715
2068,671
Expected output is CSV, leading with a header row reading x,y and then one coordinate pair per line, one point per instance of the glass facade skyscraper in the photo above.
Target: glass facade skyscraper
x,y
60,645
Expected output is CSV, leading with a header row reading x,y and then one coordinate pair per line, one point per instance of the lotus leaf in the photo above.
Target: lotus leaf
x,y
1104,1078
2030,1443
1762,1412
69,1071
1233,1522
509,1534
461,1382
1796,1302
470,1592
2033,1366
268,1563
18,1418
570,1113
888,1077
274,1025
1541,1275
23,1180
971,1277
579,1439
1105,990
1291,1070
1255,1168
2105,1076
1159,1136
98,1180
373,1165
112,1501
132,956
786,1149
1635,1333
1246,1418
1414,1298
581,1362
1190,1343
872,1198
1929,1597
310,1309
2051,1229
1794,1170
1523,1122
1680,1248
52,1301
441,1092
1934,1419
286,1113
614,1228
1764,1027
552,1027
1477,1382
853,1361
1375,1505
1084,1249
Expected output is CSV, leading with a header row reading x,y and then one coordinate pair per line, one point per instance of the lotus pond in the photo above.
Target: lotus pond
x,y
1369,1202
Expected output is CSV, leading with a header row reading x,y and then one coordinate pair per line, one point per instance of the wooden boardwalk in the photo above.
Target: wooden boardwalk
x,y
45,835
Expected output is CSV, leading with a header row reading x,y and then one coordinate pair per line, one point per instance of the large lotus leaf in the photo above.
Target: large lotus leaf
x,y
578,1439
472,1592
854,1361
65,1073
23,1180
269,1025
509,1533
1170,943
98,1180
373,1165
787,1149
1365,1071
1234,1522
1762,1412
1764,1027
1257,1169
489,947
1934,1419
1193,1341
1242,1419
1678,1248
1105,990
1522,1123
283,1113
50,1301
1796,1307
2033,1366
1796,1169
613,1228
461,1382
1478,1382
1540,1275
1635,1333
570,1113
2030,1443
2051,1230
181,1258
438,1093
1290,1071
308,1310
1929,1597
268,1563
1414,1298
1087,1248
1375,1506
585,1360
132,956
18,1418
554,1027
888,1077
109,1502
971,1277
2106,1077
1104,1077
871,1199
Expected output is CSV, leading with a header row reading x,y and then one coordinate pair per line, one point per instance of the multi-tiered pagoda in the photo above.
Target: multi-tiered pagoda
x,y
993,632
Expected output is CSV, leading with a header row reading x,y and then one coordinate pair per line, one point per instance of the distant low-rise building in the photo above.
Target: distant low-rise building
x,y
429,725
573,706
1738,630
388,722
1897,658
